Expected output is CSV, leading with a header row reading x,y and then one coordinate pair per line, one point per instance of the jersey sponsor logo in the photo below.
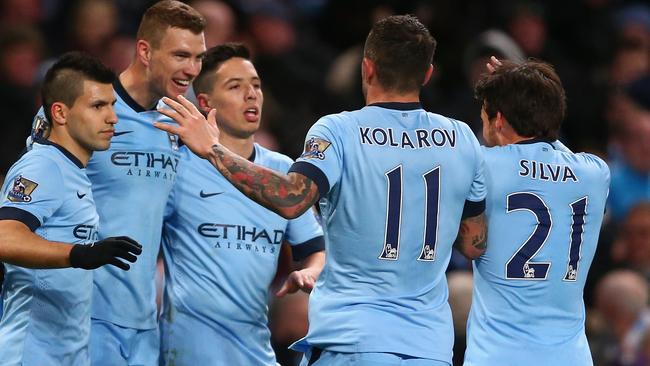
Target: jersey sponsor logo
x,y
241,233
545,171
315,148
146,164
241,237
22,190
206,195
85,232
416,139
120,133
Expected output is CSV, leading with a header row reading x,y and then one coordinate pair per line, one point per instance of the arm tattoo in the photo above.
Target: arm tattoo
x,y
472,232
288,195
479,240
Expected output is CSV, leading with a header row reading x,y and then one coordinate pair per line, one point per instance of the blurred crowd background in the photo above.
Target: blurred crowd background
x,y
307,53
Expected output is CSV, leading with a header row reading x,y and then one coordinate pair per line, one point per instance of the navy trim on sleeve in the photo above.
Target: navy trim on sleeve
x,y
314,173
472,208
13,213
311,246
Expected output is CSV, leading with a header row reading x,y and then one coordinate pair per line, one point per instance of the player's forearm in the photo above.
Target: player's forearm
x,y
472,236
314,263
288,195
21,247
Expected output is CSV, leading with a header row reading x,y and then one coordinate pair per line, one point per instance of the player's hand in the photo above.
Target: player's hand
x,y
197,132
493,64
107,251
304,280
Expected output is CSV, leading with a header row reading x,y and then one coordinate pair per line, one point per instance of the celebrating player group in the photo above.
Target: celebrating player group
x,y
119,168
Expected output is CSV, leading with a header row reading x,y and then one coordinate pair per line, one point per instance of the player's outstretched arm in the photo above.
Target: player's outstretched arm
x,y
305,278
288,195
472,236
20,246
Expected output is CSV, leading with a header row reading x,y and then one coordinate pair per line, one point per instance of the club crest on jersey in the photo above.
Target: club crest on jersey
x,y
22,190
315,148
173,140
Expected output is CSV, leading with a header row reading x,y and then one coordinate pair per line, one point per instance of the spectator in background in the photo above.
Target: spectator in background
x,y
621,300
20,56
632,246
93,24
630,165
463,106
221,21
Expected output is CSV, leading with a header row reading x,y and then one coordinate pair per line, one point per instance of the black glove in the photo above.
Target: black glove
x,y
97,254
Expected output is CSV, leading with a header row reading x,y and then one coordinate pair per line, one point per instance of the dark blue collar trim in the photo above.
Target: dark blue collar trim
x,y
400,106
535,140
252,157
63,150
119,89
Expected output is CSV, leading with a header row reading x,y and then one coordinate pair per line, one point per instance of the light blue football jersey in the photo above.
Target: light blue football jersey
x,y
545,208
394,180
221,253
131,182
46,312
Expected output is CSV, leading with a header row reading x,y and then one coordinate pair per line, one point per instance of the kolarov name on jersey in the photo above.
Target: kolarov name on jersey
x,y
415,139
545,171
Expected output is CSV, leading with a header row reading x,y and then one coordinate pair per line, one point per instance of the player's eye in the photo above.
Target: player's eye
x,y
234,87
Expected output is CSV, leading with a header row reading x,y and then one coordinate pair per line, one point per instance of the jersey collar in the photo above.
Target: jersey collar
x,y
400,106
64,151
119,89
535,140
252,157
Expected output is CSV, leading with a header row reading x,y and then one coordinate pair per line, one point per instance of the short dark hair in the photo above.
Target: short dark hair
x,y
165,14
64,80
529,95
402,49
212,59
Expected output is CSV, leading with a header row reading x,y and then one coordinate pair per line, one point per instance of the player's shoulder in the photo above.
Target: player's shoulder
x,y
340,120
592,163
271,159
41,162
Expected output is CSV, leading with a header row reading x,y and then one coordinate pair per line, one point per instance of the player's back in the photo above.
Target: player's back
x,y
390,220
545,208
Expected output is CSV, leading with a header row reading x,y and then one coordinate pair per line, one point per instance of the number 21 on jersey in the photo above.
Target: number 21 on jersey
x,y
520,266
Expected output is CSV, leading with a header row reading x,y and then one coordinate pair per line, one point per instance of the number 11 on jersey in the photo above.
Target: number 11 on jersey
x,y
394,214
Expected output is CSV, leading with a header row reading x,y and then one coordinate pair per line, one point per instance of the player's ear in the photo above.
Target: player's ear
x,y
204,102
499,121
59,113
427,75
143,51
368,69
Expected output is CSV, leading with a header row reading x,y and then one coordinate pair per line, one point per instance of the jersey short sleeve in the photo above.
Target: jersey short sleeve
x,y
31,191
305,235
477,190
322,159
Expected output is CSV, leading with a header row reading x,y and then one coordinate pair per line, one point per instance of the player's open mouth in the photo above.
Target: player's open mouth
x,y
183,83
251,114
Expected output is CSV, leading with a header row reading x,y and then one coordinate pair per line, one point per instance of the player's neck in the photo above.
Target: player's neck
x,y
379,95
67,142
240,146
136,85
